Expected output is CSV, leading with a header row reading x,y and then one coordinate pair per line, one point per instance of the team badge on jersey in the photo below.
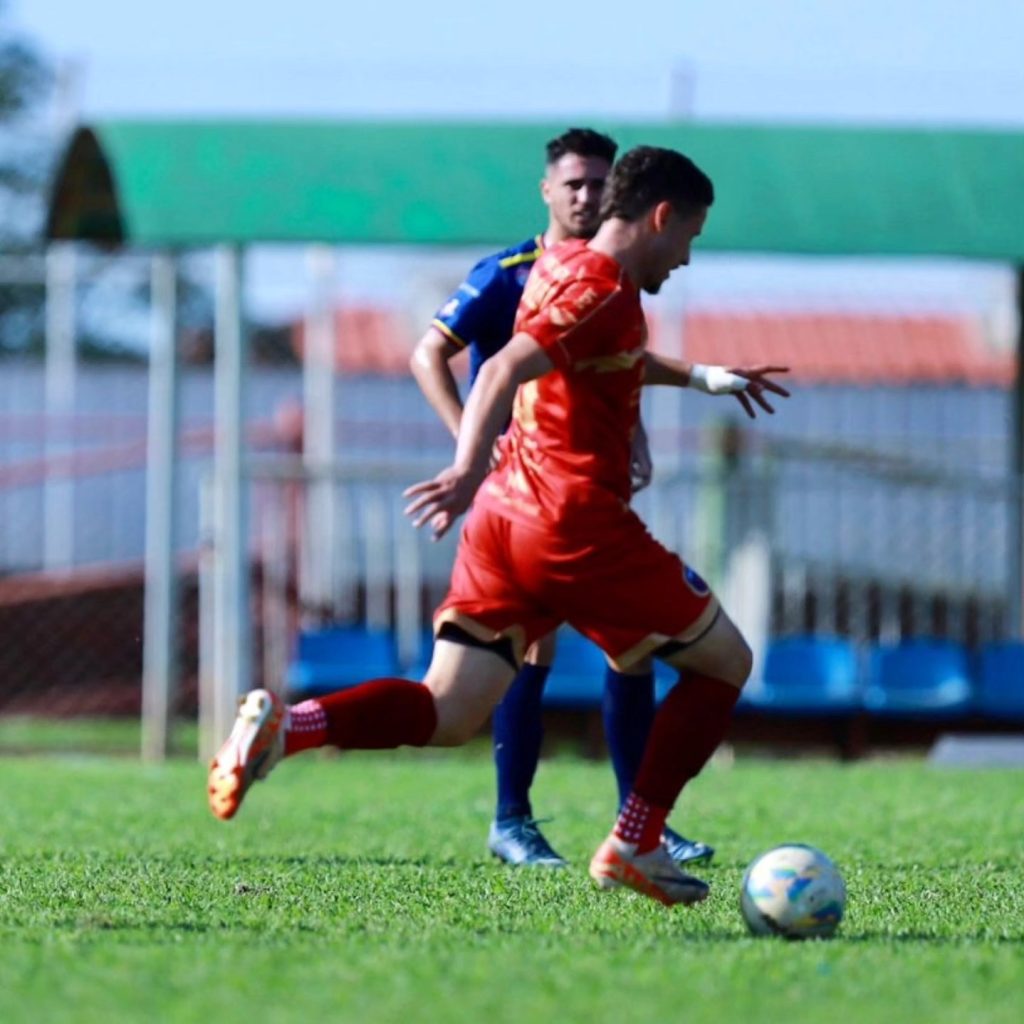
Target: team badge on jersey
x,y
696,583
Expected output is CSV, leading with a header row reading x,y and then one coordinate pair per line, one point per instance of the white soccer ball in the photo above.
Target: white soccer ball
x,y
795,891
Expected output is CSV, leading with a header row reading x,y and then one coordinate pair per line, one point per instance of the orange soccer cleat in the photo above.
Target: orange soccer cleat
x,y
654,873
255,745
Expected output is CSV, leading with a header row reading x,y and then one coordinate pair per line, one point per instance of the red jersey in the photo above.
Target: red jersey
x,y
566,456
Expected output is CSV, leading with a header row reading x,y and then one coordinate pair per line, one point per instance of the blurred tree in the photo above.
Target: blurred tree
x,y
25,156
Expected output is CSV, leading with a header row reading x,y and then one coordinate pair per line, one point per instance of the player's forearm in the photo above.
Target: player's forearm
x,y
712,380
660,369
434,376
484,417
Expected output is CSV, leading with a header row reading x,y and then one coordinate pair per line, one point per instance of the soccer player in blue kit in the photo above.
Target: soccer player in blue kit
x,y
479,316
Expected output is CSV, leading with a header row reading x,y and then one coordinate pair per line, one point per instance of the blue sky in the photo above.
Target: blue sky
x,y
934,61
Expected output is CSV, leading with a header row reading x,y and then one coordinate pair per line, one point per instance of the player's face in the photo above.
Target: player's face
x,y
669,246
572,189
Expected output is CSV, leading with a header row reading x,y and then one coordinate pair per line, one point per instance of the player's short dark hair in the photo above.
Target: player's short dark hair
x,y
581,142
648,175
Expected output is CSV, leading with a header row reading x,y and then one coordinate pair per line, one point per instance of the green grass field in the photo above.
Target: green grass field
x,y
356,889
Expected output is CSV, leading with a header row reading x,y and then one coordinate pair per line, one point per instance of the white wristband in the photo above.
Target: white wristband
x,y
715,380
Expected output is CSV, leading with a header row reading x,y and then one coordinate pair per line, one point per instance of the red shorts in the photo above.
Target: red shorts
x,y
618,586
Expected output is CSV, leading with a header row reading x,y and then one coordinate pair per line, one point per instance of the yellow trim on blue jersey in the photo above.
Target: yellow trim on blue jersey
x,y
447,332
524,257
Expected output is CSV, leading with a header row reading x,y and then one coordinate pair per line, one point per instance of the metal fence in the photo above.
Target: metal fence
x,y
876,513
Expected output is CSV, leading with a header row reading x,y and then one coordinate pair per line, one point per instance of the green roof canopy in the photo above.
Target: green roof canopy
x,y
781,189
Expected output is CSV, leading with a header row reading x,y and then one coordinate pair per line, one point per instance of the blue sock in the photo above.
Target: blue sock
x,y
518,730
628,708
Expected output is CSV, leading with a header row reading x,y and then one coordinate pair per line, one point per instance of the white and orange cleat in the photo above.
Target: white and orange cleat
x,y
654,873
255,745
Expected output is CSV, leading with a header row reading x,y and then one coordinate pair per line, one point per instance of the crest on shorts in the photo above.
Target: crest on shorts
x,y
696,583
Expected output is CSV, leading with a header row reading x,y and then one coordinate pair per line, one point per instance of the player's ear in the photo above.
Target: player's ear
x,y
660,215
545,190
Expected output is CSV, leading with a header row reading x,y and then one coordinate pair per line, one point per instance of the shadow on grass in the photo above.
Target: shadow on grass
x,y
173,931
318,862
926,939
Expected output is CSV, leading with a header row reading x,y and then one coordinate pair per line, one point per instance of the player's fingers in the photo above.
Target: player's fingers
x,y
760,371
433,515
425,516
770,385
758,397
418,488
440,524
425,499
757,372
741,397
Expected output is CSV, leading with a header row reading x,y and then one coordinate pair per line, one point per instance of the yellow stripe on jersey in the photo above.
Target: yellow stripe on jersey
x,y
523,257
448,333
611,364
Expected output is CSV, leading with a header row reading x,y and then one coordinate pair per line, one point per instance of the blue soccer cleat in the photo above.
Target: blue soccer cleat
x,y
520,842
686,851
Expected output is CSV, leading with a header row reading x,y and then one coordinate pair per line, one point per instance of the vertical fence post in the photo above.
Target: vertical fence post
x,y
318,380
275,553
232,646
58,508
208,724
160,662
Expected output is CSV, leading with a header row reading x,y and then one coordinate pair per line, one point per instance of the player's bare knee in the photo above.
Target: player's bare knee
x,y
734,661
456,724
721,653
466,682
742,663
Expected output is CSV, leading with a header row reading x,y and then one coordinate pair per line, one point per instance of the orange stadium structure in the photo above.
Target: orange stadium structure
x,y
821,347
850,347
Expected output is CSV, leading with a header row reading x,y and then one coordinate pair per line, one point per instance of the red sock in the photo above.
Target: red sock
x,y
378,715
687,729
641,822
305,727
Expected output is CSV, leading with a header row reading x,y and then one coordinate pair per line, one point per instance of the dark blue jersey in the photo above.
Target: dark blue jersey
x,y
480,313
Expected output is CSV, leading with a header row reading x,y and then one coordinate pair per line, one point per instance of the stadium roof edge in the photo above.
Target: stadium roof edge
x,y
809,189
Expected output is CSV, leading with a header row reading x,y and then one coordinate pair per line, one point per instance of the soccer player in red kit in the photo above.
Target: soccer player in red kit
x,y
551,537
480,316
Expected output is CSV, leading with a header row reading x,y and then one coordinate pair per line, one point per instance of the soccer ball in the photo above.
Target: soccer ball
x,y
795,891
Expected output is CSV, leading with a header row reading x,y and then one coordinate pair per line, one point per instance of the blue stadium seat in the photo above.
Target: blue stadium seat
x,y
577,675
1001,681
337,657
814,675
923,677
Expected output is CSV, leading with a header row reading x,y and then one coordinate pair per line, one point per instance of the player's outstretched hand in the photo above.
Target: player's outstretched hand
x,y
440,501
758,383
